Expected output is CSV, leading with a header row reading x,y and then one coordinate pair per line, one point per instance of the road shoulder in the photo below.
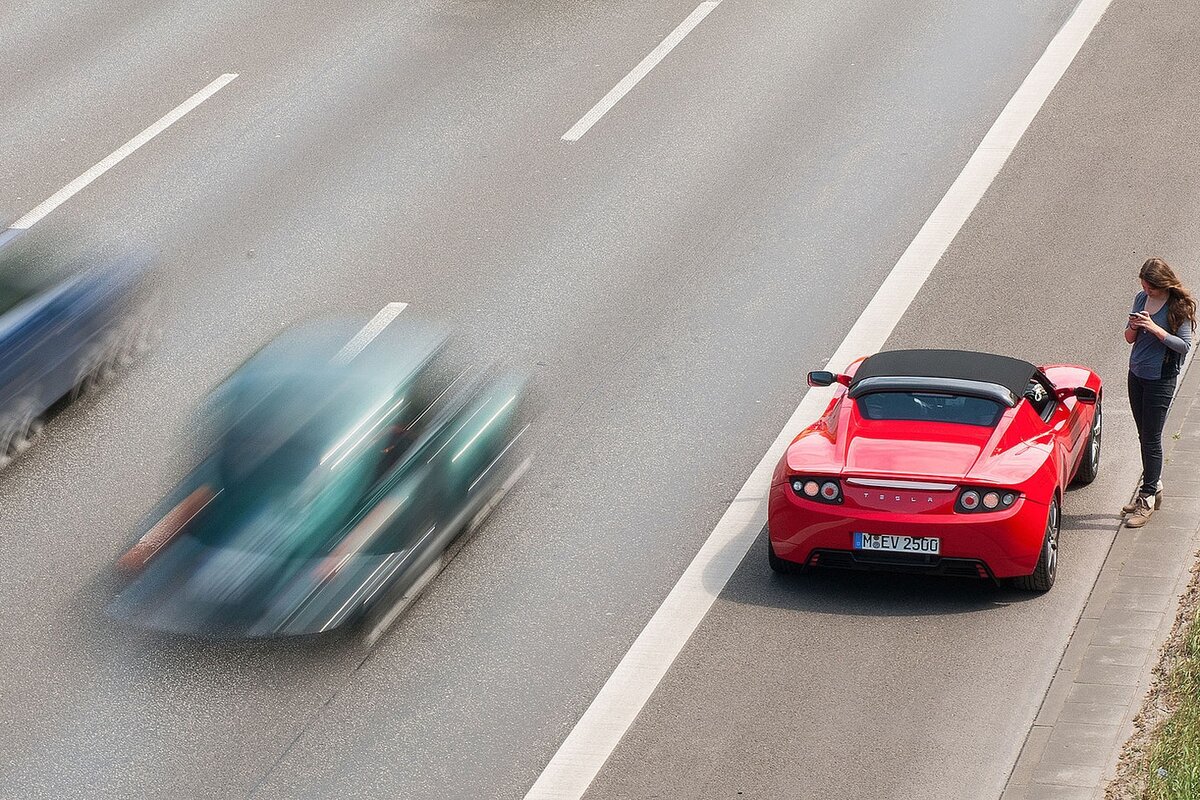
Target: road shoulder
x,y
1106,671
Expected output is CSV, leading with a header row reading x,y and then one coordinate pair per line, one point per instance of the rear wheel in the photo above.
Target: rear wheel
x,y
1089,465
8,436
1047,566
18,432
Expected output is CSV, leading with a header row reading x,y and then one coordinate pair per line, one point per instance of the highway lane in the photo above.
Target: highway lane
x,y
893,687
415,156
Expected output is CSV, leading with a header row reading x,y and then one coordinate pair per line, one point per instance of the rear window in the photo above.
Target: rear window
x,y
930,407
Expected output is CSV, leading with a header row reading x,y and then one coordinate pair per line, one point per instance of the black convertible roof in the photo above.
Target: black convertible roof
x,y
953,365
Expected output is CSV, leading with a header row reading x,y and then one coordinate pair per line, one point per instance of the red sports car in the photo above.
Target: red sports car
x,y
939,461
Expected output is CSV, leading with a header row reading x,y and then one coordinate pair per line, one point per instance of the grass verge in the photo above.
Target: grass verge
x,y
1161,761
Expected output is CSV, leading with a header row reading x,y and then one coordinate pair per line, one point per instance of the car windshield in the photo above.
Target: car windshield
x,y
296,436
930,407
281,493
24,274
13,293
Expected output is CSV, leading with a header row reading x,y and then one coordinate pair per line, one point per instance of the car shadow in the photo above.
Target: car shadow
x,y
868,594
130,652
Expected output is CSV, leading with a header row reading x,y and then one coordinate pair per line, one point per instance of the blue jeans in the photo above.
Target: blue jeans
x,y
1150,401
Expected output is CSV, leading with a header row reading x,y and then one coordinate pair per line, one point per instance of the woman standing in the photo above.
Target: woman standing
x,y
1160,330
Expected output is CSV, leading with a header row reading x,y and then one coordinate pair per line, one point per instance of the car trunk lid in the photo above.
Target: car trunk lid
x,y
913,450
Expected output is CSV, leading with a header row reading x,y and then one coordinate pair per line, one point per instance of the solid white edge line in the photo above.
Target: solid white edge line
x,y
640,71
381,320
112,159
593,739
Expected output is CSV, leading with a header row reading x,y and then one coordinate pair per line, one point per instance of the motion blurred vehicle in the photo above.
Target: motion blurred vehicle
x,y
61,333
338,473
937,461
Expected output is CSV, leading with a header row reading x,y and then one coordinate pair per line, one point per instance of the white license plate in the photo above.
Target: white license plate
x,y
898,544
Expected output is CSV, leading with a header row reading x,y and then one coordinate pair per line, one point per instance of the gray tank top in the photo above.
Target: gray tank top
x,y
1151,359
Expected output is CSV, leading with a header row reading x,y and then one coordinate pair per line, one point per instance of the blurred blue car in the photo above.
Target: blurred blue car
x,y
60,335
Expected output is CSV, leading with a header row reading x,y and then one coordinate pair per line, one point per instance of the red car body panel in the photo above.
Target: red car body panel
x,y
1022,453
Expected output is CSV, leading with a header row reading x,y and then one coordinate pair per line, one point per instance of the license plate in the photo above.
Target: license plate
x,y
898,544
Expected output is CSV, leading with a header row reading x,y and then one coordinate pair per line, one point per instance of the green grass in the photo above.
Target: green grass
x,y
1174,763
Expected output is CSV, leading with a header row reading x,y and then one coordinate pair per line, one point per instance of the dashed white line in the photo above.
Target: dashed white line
x,y
112,159
637,73
372,329
593,739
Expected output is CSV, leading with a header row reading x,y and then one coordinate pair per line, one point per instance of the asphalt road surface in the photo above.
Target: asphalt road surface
x,y
667,280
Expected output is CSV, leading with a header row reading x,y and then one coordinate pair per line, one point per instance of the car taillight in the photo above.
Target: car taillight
x,y
164,531
808,488
972,500
823,490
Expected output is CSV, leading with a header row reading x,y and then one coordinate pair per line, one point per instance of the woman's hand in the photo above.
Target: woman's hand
x,y
1137,320
1143,322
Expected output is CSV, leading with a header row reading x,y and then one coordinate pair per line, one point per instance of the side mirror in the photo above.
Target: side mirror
x,y
821,378
1082,393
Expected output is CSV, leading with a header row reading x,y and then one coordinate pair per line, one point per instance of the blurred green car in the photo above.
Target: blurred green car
x,y
331,481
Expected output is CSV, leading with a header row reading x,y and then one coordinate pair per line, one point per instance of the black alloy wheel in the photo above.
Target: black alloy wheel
x,y
1047,566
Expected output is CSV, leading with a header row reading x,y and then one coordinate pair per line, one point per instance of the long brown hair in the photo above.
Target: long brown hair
x,y
1181,305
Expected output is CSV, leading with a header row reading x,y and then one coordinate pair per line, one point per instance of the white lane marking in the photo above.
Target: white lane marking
x,y
372,329
614,709
112,159
637,73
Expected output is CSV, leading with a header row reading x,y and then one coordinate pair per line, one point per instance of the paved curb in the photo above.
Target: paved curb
x,y
1087,714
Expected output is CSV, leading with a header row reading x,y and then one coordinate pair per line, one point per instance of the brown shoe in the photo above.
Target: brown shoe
x,y
1131,506
1143,508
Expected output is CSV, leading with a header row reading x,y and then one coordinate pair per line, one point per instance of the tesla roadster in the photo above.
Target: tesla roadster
x,y
337,474
937,461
